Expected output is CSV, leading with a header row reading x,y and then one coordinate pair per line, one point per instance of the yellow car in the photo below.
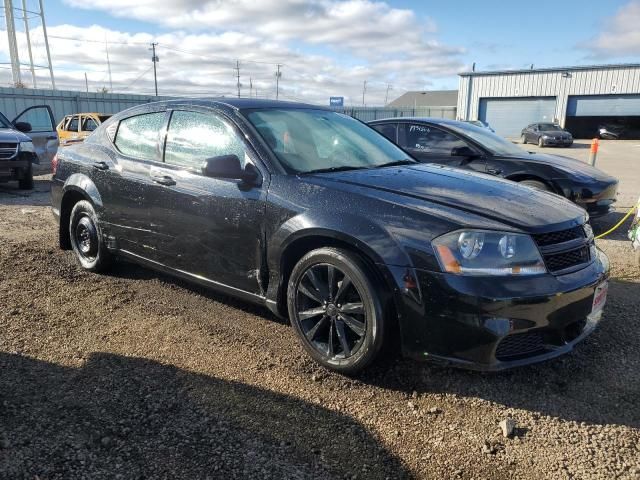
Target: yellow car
x,y
75,128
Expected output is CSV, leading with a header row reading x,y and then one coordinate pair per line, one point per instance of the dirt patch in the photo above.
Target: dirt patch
x,y
136,375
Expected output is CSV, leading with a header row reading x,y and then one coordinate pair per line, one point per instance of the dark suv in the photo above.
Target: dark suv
x,y
326,222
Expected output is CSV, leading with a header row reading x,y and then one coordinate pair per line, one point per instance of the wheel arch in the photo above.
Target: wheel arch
x,y
77,187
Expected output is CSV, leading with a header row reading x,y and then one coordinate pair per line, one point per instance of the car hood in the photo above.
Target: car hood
x,y
499,200
568,164
10,135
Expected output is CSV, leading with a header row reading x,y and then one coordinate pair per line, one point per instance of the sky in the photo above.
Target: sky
x,y
324,47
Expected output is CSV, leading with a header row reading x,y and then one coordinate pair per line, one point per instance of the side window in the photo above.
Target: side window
x,y
138,136
72,126
428,139
193,137
388,130
39,117
89,125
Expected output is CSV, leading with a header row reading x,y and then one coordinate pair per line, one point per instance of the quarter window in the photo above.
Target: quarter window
x,y
138,136
388,130
428,139
194,137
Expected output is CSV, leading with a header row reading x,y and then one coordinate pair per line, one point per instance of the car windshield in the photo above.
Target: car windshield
x,y
549,127
489,140
309,141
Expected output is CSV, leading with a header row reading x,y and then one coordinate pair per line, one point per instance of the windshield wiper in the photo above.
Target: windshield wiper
x,y
406,161
342,168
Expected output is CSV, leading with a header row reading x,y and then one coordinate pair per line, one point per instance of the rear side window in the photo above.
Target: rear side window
x,y
194,137
388,130
89,125
138,136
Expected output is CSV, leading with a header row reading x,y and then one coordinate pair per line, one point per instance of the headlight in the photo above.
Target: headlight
x,y
546,137
483,252
27,147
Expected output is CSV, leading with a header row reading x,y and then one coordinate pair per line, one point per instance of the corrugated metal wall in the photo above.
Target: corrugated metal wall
x,y
559,83
62,102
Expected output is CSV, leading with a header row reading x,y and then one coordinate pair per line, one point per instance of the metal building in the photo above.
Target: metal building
x,y
580,98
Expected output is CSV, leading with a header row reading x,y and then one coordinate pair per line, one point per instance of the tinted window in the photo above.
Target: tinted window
x,y
388,130
72,126
138,136
428,139
89,125
193,137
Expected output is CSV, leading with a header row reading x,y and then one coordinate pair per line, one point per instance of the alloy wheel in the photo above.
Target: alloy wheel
x,y
330,311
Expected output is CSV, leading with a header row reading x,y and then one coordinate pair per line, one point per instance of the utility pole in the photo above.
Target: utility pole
x,y
250,87
278,75
86,82
238,76
386,97
26,31
106,47
364,90
155,60
13,43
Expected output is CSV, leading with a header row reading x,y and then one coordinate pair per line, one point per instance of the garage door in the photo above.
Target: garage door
x,y
603,106
508,116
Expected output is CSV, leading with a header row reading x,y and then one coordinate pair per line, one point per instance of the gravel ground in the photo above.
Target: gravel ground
x,y
136,375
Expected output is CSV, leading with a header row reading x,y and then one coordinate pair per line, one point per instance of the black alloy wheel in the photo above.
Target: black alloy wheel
x,y
86,239
335,309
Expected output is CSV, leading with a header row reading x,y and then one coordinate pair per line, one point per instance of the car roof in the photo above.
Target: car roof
x,y
435,120
240,103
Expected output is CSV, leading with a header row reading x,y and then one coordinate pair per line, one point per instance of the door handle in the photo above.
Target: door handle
x,y
163,179
100,166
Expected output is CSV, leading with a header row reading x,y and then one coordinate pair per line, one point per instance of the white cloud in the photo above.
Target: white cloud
x,y
620,36
356,40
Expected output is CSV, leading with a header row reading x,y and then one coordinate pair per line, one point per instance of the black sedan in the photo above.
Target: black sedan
x,y
546,135
324,221
462,145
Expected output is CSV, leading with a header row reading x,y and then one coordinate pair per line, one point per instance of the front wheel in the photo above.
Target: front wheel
x,y
336,309
523,139
540,142
538,185
86,238
26,182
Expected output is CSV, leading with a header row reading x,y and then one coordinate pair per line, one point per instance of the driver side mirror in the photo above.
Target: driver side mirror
x,y
464,151
23,127
229,167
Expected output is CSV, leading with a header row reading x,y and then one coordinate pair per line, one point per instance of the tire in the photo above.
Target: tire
x,y
537,184
523,139
540,142
86,238
26,183
345,340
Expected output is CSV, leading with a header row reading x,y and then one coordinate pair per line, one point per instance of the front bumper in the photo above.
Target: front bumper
x,y
552,142
13,169
496,323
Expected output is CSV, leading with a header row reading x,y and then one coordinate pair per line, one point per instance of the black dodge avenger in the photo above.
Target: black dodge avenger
x,y
463,145
324,221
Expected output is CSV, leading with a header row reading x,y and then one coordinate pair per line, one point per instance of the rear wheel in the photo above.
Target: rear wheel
x,y
336,310
26,182
86,238
538,185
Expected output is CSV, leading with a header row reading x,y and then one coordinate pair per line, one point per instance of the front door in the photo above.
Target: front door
x,y
43,132
207,227
430,144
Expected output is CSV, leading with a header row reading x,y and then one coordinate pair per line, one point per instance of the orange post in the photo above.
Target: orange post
x,y
595,143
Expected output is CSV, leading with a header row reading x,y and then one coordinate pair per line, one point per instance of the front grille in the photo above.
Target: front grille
x,y
520,344
565,249
564,260
8,150
544,239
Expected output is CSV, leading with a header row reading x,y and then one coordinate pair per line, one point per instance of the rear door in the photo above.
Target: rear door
x,y
43,131
431,144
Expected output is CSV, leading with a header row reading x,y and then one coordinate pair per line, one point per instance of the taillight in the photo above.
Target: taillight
x,y
54,163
